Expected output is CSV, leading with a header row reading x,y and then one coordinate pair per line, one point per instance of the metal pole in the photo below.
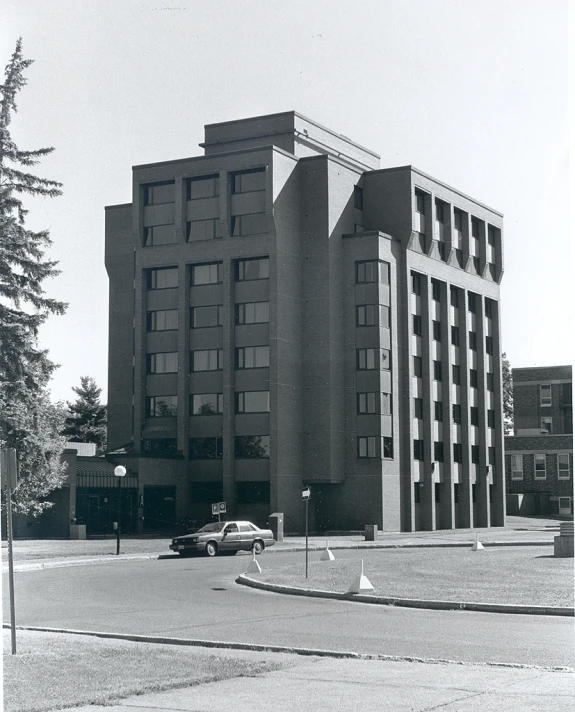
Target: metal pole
x,y
10,563
306,533
119,516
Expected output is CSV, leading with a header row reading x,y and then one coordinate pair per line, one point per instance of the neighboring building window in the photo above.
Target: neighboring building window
x,y
564,504
437,330
563,466
160,447
544,396
369,447
206,448
164,278
206,360
207,274
488,308
420,201
540,467
416,283
473,379
438,411
384,316
252,447
490,382
199,188
471,302
475,454
206,403
435,290
490,418
159,193
516,467
370,359
388,448
437,375
489,345
418,449
374,403
204,230
372,271
417,366
253,357
161,406
162,362
366,315
252,224
438,451
457,452
440,210
456,375
455,335
358,197
475,227
454,294
418,408
206,317
547,424
159,235
248,270
474,412
249,181
253,313
417,325
473,340
162,320
253,402
456,410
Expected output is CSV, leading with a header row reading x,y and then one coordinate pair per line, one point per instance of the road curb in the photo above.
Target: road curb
x,y
406,602
260,648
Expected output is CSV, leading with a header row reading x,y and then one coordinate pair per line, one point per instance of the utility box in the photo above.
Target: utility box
x,y
77,531
371,532
277,525
563,544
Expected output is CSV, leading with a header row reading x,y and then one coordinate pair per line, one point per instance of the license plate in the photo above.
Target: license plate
x,y
181,547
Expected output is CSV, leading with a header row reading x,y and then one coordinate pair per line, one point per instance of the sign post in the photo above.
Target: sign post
x,y
9,472
305,495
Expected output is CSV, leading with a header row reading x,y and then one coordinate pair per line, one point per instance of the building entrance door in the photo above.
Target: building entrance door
x,y
159,509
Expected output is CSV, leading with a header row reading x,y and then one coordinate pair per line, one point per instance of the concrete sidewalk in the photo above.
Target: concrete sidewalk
x,y
319,684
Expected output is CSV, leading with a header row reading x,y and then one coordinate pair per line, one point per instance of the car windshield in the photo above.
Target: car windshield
x,y
213,527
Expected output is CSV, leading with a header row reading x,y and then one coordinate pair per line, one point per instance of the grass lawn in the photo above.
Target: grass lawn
x,y
53,670
527,575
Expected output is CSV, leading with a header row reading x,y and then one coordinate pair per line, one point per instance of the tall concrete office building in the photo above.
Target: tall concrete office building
x,y
285,313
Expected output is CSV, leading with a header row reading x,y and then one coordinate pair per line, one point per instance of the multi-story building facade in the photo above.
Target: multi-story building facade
x,y
283,313
539,456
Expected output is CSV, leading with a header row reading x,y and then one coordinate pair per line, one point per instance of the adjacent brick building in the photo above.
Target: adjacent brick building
x,y
284,313
539,456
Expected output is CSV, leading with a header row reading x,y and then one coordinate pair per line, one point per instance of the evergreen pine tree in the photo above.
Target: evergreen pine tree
x,y
86,422
507,379
28,421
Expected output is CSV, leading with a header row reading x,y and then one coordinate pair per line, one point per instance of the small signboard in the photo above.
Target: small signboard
x,y
306,493
218,508
222,507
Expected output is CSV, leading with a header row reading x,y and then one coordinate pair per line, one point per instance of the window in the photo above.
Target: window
x,y
457,452
253,357
492,235
435,290
456,411
474,412
418,449
206,317
372,271
206,360
366,315
253,402
473,380
438,451
416,492
456,375
369,447
490,418
388,448
458,219
159,193
417,325
437,375
207,274
516,467
473,340
249,181
206,448
417,366
384,316
563,466
564,504
161,406
544,396
385,403
370,359
162,362
489,345
160,447
547,424
203,230
199,188
253,313
420,201
358,197
165,278
471,302
455,494
248,270
475,227
162,320
252,447
475,454
159,235
206,403
490,382
438,411
455,335
491,455
416,283
374,403
418,407
252,224
540,467
436,330
454,296
440,210
489,308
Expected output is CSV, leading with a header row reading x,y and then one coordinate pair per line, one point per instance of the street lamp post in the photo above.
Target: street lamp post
x,y
120,472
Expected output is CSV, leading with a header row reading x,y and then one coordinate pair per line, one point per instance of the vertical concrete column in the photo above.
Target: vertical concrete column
x,y
183,359
404,418
228,385
180,209
427,495
465,505
446,514
482,483
139,357
498,468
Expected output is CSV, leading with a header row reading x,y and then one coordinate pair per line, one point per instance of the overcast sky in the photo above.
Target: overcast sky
x,y
472,92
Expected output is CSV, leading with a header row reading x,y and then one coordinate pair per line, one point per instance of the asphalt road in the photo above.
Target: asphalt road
x,y
197,598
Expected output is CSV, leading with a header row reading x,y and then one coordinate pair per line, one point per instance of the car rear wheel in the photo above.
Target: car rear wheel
x,y
211,548
258,546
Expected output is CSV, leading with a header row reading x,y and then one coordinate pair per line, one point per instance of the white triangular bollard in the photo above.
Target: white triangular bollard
x,y
254,567
478,546
361,584
326,554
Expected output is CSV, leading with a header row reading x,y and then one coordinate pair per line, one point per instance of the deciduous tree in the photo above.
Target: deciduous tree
x,y
507,395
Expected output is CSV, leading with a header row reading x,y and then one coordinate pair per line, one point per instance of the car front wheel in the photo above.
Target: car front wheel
x,y
258,547
211,548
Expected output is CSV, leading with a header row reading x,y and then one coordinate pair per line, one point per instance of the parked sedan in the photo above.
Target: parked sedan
x,y
222,537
